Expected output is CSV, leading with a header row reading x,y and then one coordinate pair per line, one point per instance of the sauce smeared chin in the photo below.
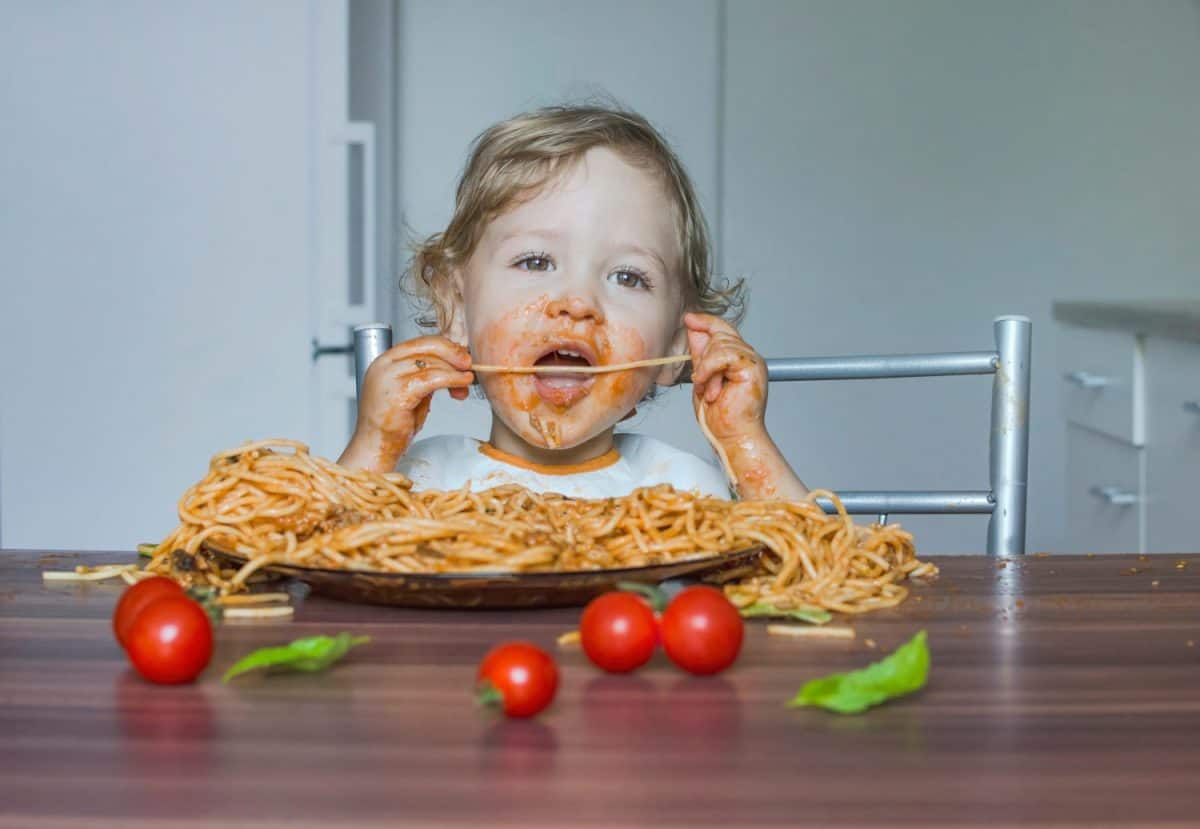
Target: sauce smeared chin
x,y
560,411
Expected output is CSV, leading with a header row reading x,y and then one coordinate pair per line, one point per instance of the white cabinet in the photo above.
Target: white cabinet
x,y
1173,446
1104,497
1103,375
1132,410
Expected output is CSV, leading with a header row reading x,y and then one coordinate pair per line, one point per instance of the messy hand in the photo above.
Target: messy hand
x,y
730,384
729,378
396,395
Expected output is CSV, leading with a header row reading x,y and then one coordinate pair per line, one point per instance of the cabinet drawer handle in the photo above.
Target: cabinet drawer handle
x,y
1087,380
1115,495
1192,406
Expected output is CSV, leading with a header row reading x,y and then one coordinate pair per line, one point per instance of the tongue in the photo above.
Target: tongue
x,y
565,383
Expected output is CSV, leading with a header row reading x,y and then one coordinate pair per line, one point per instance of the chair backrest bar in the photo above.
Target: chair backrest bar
x,y
958,502
877,367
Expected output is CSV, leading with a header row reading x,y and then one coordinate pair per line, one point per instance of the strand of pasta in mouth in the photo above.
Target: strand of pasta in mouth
x,y
599,369
271,502
605,369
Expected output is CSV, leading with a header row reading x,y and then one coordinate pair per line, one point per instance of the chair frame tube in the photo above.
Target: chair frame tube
x,y
370,341
918,502
881,366
1008,457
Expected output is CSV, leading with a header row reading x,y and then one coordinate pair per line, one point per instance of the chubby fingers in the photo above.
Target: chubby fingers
x,y
420,363
708,324
416,352
719,354
422,383
726,358
702,331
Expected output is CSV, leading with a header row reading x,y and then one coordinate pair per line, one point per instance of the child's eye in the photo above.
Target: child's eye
x,y
534,262
628,278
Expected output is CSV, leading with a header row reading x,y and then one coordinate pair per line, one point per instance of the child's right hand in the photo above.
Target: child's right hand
x,y
396,395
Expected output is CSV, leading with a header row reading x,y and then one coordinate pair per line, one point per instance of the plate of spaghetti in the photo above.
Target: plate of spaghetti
x,y
272,507
484,590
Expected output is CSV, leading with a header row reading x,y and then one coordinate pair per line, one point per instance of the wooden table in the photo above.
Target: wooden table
x,y
1065,691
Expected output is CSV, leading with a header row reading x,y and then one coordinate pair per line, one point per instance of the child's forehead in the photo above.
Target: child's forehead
x,y
599,196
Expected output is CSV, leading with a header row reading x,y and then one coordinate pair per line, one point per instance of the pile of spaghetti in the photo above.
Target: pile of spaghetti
x,y
272,502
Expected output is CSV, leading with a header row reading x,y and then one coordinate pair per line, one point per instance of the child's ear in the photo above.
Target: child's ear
x,y
455,325
673,373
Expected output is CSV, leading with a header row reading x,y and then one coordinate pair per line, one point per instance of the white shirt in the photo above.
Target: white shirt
x,y
454,461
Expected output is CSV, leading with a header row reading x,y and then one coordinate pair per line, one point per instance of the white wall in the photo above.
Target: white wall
x,y
891,176
155,217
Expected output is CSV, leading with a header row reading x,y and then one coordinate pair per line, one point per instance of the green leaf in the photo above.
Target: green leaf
x,y
812,615
146,549
314,653
900,673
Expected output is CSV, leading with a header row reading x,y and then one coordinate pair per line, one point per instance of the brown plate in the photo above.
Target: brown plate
x,y
490,590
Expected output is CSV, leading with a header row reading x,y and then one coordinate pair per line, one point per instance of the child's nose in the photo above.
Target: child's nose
x,y
576,307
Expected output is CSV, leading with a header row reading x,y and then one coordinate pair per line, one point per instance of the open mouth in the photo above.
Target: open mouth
x,y
566,388
564,357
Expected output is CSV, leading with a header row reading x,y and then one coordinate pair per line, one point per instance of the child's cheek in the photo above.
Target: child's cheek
x,y
500,340
623,389
509,391
499,343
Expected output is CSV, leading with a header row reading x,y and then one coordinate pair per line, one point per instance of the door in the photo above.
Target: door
x,y
173,238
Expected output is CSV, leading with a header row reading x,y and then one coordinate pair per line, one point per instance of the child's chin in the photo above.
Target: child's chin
x,y
563,442
554,434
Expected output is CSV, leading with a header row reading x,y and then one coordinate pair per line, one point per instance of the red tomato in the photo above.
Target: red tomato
x,y
701,630
135,599
618,632
170,641
520,676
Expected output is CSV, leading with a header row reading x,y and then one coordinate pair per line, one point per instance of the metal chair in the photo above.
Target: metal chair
x,y
1008,458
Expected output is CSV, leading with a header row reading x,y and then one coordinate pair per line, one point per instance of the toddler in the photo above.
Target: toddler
x,y
576,239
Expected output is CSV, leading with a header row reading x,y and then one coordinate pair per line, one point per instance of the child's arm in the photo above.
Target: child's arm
x,y
395,398
730,381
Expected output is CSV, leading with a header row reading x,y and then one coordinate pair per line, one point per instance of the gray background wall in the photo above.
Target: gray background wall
x,y
889,176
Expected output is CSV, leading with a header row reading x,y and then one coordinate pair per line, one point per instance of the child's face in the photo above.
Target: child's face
x,y
587,271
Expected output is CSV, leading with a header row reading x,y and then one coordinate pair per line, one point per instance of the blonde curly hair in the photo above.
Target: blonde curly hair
x,y
514,159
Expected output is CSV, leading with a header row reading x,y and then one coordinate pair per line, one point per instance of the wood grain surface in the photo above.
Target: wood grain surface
x,y
1065,691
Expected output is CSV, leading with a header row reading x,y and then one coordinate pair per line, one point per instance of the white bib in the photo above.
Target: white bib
x,y
455,461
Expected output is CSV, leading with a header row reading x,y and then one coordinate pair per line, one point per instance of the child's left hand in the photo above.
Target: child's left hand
x,y
729,378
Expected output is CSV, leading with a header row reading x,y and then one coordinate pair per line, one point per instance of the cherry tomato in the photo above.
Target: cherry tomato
x,y
701,630
520,676
618,632
170,641
135,599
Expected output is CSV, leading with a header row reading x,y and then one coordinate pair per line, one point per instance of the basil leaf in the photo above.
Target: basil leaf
x,y
900,673
311,654
812,615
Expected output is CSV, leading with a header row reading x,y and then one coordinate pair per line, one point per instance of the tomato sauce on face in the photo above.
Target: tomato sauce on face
x,y
544,417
